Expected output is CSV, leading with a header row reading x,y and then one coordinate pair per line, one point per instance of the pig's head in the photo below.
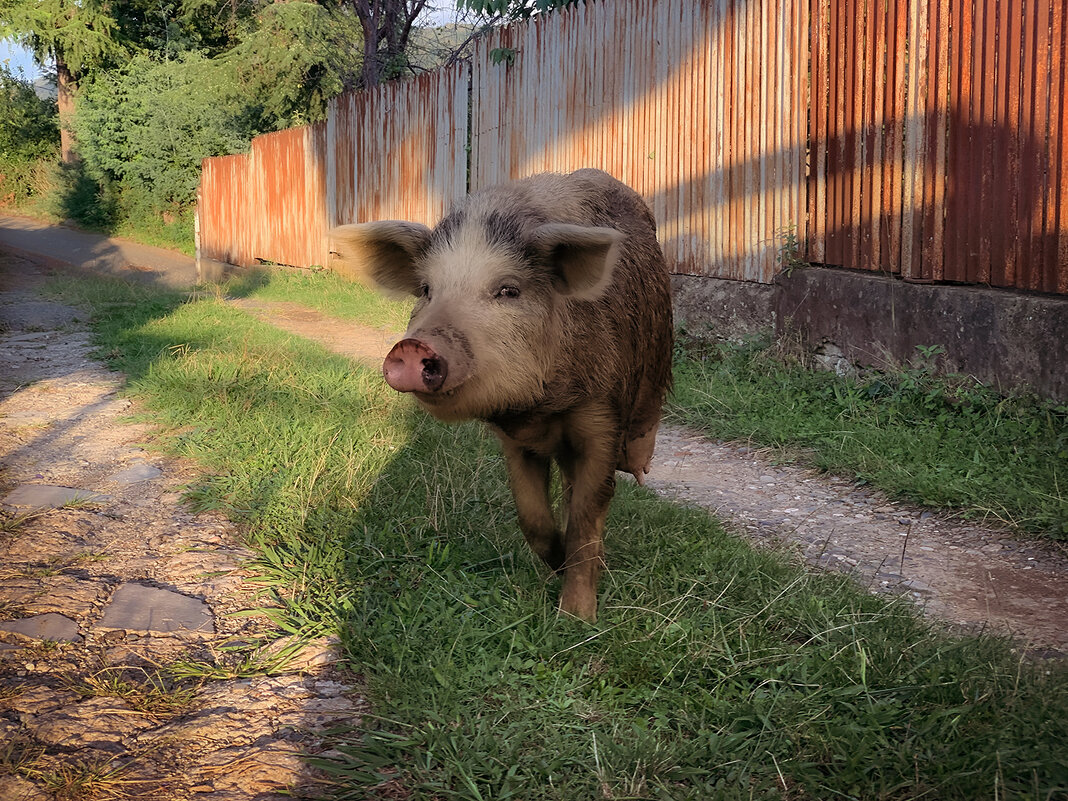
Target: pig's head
x,y
491,310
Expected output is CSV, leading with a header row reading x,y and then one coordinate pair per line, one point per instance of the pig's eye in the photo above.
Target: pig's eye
x,y
424,291
507,292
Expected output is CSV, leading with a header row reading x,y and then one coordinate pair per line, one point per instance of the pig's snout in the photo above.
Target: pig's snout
x,y
413,366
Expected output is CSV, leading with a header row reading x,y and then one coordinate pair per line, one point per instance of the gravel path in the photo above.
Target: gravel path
x,y
971,575
106,579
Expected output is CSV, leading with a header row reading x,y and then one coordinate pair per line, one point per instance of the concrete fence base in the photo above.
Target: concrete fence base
x,y
1005,339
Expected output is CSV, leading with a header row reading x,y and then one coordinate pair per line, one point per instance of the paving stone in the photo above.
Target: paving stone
x,y
142,609
62,594
137,472
15,788
98,723
45,496
249,772
51,626
320,713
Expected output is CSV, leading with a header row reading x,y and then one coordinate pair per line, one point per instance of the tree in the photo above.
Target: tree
x,y
82,36
27,122
513,9
143,128
146,126
292,58
387,28
77,34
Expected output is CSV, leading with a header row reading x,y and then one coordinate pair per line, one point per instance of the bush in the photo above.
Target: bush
x,y
29,138
148,125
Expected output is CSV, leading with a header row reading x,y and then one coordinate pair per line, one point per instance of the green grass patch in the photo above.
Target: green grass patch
x,y
322,290
947,443
716,671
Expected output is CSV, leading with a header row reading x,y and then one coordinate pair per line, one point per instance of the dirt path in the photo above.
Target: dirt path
x,y
107,583
968,574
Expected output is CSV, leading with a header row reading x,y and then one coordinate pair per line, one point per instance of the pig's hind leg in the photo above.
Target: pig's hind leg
x,y
588,468
528,475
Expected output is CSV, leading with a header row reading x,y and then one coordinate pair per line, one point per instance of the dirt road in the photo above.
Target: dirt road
x,y
109,585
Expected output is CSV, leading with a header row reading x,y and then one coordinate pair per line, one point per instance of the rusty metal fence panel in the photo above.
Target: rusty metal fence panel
x,y
699,105
397,151
925,138
287,197
938,140
223,210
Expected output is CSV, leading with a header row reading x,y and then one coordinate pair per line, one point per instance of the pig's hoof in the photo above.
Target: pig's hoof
x,y
579,605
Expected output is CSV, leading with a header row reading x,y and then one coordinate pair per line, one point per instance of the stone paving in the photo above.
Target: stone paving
x,y
123,670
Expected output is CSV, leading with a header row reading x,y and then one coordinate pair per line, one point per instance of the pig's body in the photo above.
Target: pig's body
x,y
544,309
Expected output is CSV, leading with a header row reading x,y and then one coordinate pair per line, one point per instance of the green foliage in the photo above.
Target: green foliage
x,y
790,252
505,54
75,195
716,672
947,443
514,9
85,33
29,126
162,87
92,35
29,138
293,60
148,125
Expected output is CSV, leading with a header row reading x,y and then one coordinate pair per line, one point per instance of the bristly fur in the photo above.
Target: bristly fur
x,y
549,298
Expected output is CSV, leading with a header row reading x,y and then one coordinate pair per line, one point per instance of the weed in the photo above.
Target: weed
x,y
20,754
155,693
243,663
86,781
10,523
790,251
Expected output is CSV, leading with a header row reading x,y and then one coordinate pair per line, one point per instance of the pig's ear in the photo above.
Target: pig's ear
x,y
382,252
582,257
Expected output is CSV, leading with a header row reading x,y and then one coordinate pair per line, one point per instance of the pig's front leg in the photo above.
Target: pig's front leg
x,y
528,475
589,469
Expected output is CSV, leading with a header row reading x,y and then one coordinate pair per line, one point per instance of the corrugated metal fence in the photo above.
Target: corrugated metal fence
x,y
938,137
925,138
390,153
700,106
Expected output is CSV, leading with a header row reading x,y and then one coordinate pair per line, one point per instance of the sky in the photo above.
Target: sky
x,y
16,57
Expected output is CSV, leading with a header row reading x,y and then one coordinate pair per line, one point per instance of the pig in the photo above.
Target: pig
x,y
543,308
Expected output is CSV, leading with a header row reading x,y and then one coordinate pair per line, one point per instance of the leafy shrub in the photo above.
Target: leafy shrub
x,y
148,125
29,138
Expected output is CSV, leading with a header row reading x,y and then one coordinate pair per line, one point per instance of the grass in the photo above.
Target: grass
x,y
945,443
716,671
153,693
322,290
